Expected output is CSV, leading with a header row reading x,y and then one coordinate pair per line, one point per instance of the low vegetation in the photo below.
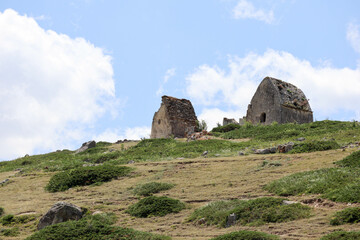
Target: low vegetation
x,y
348,215
314,146
1,211
353,160
250,212
155,206
342,235
98,226
9,232
246,235
226,128
85,176
150,188
337,184
11,219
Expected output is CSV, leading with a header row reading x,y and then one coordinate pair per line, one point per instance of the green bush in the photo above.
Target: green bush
x,y
314,146
10,232
348,215
1,211
246,235
337,184
252,212
150,188
226,128
85,176
342,235
10,219
155,206
95,227
353,160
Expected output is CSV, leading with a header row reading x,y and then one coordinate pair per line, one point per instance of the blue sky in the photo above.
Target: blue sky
x,y
95,69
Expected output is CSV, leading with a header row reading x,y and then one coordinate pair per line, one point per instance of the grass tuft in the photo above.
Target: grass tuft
x,y
348,215
252,212
91,228
155,206
342,235
1,211
315,146
85,176
246,235
150,188
353,160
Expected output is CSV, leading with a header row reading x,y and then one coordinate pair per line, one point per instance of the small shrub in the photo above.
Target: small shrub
x,y
348,215
155,206
8,219
10,232
85,176
1,211
353,160
148,189
226,128
342,235
246,235
252,212
91,228
337,184
314,146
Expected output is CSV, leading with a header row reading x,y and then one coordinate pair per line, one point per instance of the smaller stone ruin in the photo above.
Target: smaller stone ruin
x,y
175,118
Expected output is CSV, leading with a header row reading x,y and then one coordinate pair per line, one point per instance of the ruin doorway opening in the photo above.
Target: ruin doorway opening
x,y
262,118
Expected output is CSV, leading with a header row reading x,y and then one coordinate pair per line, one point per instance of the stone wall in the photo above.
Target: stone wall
x,y
176,117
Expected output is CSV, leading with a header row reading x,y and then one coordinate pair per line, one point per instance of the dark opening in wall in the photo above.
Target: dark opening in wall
x,y
159,121
262,117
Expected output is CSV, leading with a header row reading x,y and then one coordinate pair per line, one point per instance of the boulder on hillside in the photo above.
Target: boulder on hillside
x,y
85,146
60,212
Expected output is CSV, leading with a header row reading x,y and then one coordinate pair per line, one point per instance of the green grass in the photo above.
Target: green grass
x,y
11,219
353,160
226,128
348,215
85,176
342,235
252,212
337,184
150,188
155,206
341,131
314,146
246,235
9,232
95,227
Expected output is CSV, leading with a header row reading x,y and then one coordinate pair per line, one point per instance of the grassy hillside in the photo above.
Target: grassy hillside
x,y
197,182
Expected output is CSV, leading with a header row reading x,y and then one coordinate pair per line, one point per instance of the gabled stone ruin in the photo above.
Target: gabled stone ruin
x,y
279,101
175,118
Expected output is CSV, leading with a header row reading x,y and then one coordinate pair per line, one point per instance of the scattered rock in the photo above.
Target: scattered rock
x,y
85,146
231,220
180,158
241,153
217,155
285,202
4,181
273,149
284,148
204,153
300,139
97,212
60,212
131,162
201,221
262,151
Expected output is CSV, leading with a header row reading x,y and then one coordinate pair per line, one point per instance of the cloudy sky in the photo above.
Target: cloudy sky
x,y
76,70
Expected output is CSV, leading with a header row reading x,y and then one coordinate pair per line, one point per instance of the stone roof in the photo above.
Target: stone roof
x,y
290,95
179,108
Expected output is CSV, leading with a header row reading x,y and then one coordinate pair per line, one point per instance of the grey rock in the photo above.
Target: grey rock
x,y
60,212
284,148
241,153
131,162
85,146
4,181
300,139
273,149
285,202
262,151
204,153
231,220
217,155
201,221
180,158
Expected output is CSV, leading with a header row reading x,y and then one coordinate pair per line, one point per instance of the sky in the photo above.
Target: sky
x,y
76,70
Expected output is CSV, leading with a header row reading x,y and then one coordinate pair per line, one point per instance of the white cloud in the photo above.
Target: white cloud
x,y
169,73
245,9
112,135
331,90
53,87
353,36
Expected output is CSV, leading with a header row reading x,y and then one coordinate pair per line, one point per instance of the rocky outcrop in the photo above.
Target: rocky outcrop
x,y
175,118
60,212
227,121
85,146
